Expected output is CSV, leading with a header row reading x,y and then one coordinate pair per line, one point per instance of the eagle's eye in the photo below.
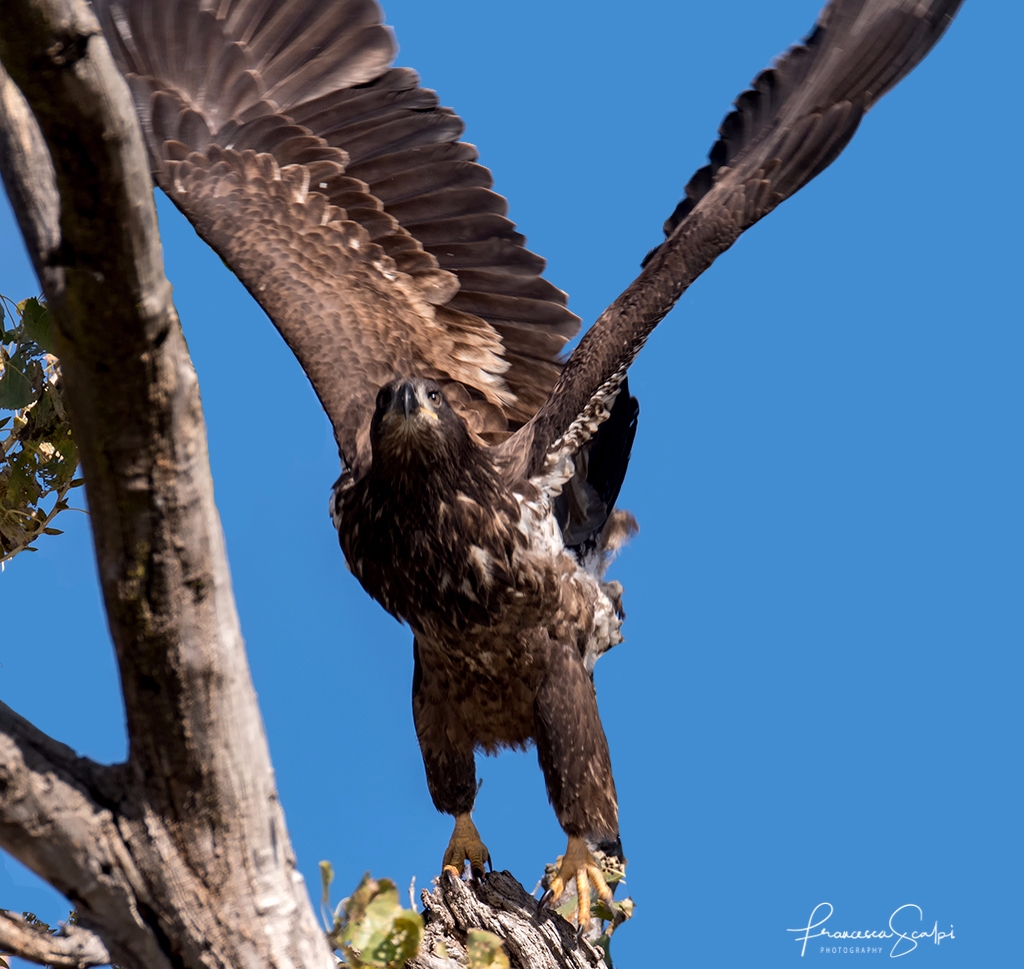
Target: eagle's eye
x,y
384,398
433,396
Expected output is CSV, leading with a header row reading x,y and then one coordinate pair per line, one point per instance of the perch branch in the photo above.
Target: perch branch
x,y
534,937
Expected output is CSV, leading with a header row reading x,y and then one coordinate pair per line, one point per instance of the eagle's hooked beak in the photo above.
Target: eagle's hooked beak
x,y
406,398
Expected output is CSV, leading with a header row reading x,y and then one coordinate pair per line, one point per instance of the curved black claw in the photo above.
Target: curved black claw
x,y
477,871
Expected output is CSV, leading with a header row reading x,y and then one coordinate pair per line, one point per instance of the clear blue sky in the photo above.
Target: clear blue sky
x,y
818,698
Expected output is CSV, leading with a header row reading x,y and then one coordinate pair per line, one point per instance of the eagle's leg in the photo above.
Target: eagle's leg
x,y
450,767
573,754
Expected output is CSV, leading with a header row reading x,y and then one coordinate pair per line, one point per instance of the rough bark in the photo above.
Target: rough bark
x,y
534,937
27,171
57,817
181,856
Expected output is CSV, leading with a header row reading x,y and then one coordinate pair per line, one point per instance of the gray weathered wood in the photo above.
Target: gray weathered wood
x,y
57,817
200,869
534,937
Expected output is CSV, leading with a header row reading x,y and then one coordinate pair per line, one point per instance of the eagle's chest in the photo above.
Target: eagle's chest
x,y
436,553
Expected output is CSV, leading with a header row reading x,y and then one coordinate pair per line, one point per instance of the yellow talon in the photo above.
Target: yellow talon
x,y
578,863
465,845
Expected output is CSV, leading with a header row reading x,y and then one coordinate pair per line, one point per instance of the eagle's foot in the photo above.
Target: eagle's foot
x,y
578,864
465,845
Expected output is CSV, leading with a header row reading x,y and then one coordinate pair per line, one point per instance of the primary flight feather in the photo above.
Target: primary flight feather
x,y
479,472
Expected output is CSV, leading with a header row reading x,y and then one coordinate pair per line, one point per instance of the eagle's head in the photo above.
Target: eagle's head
x,y
413,423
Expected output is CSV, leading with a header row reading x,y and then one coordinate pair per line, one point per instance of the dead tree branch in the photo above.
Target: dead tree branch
x,y
195,828
534,937
27,171
53,818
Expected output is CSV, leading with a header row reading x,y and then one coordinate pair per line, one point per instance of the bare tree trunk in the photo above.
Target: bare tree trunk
x,y
180,857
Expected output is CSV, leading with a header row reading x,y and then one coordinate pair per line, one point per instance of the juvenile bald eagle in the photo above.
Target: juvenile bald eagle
x,y
479,472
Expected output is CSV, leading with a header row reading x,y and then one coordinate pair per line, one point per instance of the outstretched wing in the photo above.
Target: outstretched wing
x,y
337,190
793,122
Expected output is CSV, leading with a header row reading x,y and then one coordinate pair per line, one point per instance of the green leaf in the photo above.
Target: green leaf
x,y
396,943
15,388
604,943
21,483
485,950
378,932
35,321
52,531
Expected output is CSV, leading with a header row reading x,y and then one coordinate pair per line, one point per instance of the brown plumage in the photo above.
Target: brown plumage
x,y
479,473
508,622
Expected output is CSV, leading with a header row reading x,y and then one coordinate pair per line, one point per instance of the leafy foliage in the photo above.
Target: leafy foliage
x,y
370,928
38,457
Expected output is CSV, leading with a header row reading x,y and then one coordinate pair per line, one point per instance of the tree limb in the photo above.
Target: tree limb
x,y
211,866
73,948
49,754
27,171
534,937
53,819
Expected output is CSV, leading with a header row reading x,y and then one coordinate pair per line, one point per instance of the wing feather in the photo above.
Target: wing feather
x,y
309,84
292,265
792,123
